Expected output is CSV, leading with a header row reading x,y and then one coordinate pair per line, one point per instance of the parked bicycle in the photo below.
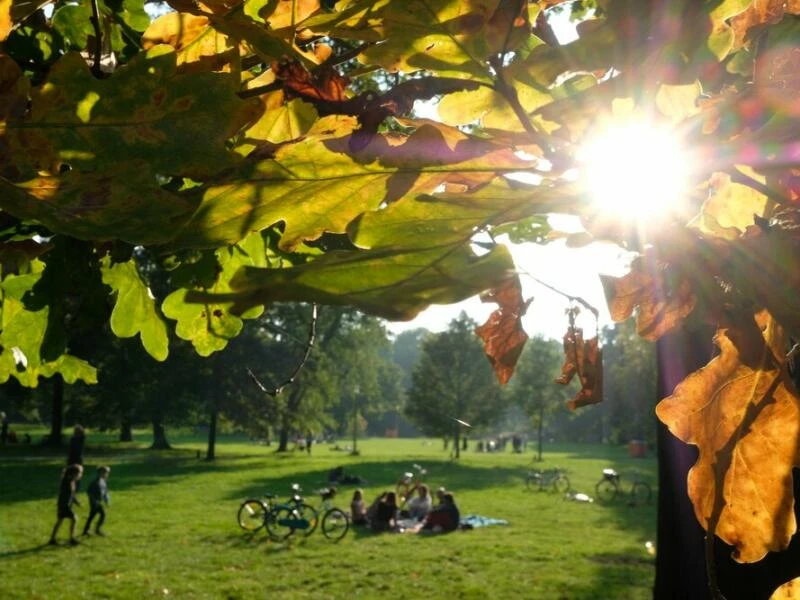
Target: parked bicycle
x,y
295,515
610,486
409,483
552,479
253,513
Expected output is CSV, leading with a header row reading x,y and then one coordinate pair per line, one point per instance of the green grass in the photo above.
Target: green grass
x,y
172,531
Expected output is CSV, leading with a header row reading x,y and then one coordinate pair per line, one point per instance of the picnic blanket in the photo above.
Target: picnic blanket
x,y
475,521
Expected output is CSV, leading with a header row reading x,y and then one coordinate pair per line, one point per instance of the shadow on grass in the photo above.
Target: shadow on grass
x,y
24,551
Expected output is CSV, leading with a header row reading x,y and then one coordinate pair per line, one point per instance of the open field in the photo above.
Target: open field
x,y
172,531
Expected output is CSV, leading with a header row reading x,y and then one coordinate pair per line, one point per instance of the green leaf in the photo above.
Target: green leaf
x,y
15,11
316,185
135,310
73,21
209,327
392,283
23,335
287,122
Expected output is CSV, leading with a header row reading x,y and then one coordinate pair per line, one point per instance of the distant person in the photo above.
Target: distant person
x,y
75,449
66,499
309,441
358,509
26,439
444,517
420,505
98,495
3,428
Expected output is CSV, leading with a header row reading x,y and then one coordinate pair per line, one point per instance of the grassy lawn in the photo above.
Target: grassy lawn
x,y
172,530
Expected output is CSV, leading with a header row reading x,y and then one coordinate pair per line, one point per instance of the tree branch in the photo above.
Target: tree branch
x,y
738,177
509,93
98,40
312,332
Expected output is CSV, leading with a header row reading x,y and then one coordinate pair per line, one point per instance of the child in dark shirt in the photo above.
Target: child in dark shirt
x,y
66,498
98,495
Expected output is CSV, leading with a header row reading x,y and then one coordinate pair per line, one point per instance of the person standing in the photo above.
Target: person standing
x,y
309,441
98,495
66,499
75,449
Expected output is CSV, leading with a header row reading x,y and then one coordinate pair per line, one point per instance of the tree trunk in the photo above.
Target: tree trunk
x,y
283,439
456,445
539,434
159,433
57,414
126,429
212,432
680,557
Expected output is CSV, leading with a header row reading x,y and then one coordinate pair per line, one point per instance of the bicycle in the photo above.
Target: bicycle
x,y
610,486
285,518
554,479
253,513
335,522
409,483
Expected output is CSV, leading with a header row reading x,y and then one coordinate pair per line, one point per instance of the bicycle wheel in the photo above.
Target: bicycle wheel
x,y
561,484
605,490
279,522
252,515
641,493
309,513
335,524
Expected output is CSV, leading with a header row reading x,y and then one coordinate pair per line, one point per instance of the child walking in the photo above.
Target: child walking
x,y
66,498
98,495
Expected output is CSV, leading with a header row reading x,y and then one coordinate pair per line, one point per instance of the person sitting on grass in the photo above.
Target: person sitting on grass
x,y
445,517
98,494
419,506
358,510
66,498
385,513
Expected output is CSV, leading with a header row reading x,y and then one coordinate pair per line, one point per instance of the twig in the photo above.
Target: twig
x,y
577,299
509,93
331,62
98,40
312,332
738,177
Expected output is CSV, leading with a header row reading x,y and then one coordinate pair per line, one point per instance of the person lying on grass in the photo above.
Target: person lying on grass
x,y
66,499
445,517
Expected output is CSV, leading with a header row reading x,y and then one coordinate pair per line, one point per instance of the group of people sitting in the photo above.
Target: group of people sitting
x,y
417,514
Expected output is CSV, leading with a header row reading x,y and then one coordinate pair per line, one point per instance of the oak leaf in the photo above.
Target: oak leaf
x,y
743,413
583,358
198,46
502,334
662,304
788,591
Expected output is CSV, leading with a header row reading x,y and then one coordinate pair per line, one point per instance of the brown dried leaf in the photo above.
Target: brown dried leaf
x,y
323,84
761,12
743,413
661,306
584,358
502,334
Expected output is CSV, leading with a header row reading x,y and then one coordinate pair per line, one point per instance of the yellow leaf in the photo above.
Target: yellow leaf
x,y
788,591
742,412
198,46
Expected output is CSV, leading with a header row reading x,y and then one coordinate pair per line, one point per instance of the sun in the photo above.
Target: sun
x,y
636,170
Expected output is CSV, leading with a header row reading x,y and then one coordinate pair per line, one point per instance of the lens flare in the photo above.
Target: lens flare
x,y
636,170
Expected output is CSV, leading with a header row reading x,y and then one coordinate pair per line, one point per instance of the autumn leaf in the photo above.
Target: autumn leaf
x,y
758,14
583,358
393,283
788,591
743,413
662,304
323,84
502,334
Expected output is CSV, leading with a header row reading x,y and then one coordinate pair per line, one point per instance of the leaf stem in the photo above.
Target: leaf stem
x,y
577,299
738,177
98,39
509,93
312,334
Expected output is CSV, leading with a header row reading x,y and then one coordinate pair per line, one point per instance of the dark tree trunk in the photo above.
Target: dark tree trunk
x,y
57,414
283,439
159,433
212,432
126,430
539,434
456,445
680,558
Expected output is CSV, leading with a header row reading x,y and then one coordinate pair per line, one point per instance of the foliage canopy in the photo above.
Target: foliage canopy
x,y
230,139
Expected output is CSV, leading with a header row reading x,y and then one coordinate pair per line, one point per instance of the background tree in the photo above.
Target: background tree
x,y
452,380
532,386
